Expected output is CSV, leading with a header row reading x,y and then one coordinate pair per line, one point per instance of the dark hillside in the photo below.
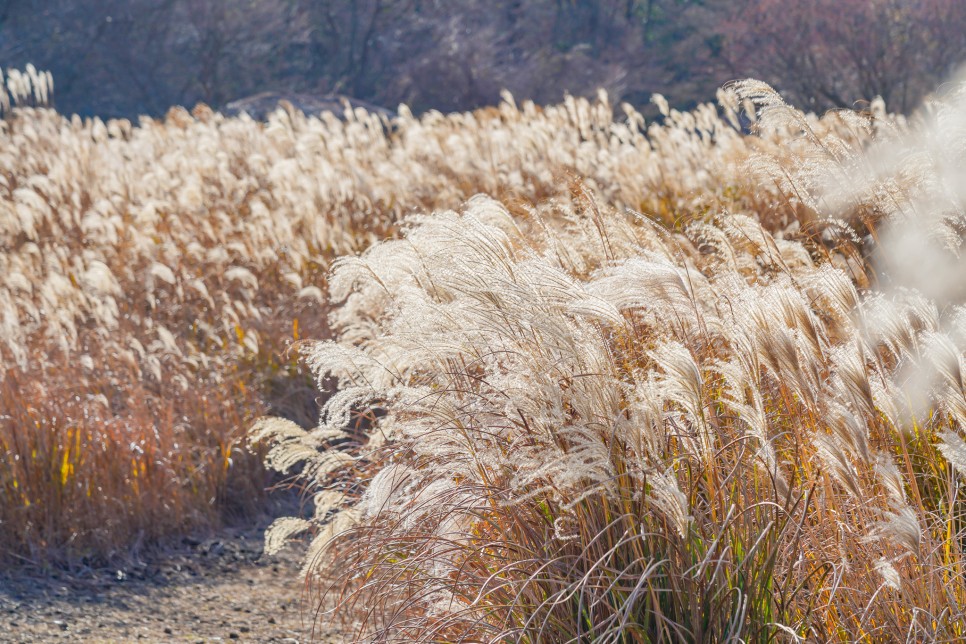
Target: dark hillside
x,y
130,57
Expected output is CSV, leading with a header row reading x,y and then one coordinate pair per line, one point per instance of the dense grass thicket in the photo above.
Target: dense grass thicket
x,y
153,276
585,378
719,395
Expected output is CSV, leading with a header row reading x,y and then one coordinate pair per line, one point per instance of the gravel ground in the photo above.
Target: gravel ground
x,y
219,589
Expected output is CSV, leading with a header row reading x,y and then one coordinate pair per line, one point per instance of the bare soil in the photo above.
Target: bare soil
x,y
217,589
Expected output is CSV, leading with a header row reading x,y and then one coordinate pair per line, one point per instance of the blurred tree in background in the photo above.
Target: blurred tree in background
x,y
829,53
128,57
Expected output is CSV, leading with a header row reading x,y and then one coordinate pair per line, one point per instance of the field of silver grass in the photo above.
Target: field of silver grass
x,y
667,381
154,275
737,417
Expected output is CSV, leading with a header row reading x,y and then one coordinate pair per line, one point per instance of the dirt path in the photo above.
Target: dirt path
x,y
220,589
